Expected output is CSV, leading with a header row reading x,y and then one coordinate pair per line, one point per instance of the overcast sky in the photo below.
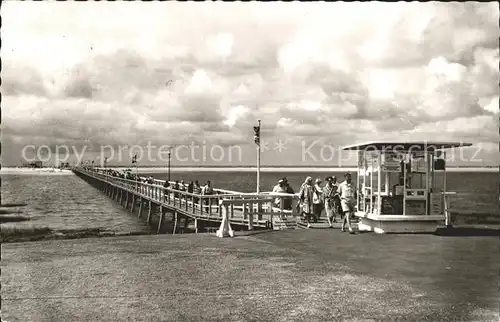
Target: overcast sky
x,y
102,73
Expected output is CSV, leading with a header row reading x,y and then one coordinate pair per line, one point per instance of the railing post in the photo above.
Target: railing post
x,y
244,205
250,217
209,206
447,214
201,205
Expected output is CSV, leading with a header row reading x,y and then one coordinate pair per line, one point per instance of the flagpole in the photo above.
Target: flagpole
x,y
258,164
134,160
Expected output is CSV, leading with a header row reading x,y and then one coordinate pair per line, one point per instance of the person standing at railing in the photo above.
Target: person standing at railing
x,y
166,185
176,188
182,186
196,190
207,191
306,200
288,201
279,188
190,187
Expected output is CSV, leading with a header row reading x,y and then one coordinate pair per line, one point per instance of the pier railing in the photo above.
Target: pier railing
x,y
242,208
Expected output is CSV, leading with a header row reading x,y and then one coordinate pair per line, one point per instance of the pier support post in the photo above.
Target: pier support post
x,y
133,204
150,212
198,226
176,219
126,199
141,203
186,223
121,196
162,216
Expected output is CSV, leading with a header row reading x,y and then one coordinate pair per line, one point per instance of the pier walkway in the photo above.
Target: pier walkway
x,y
244,210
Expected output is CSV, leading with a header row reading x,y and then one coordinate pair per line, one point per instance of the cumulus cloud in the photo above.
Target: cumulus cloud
x,y
342,72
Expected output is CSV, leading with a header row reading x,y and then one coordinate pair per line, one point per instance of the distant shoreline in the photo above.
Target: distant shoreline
x,y
36,171
223,169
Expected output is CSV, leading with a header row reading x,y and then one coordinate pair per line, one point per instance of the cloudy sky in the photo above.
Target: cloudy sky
x,y
316,74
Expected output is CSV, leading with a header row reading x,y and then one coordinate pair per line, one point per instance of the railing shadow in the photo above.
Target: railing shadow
x,y
243,233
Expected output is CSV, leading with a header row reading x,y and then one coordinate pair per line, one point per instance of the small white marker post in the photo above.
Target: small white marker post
x,y
225,229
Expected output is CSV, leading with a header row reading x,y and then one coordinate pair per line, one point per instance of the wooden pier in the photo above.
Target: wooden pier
x,y
245,211
174,211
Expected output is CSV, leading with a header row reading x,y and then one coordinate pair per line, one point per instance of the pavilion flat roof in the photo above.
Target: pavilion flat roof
x,y
405,146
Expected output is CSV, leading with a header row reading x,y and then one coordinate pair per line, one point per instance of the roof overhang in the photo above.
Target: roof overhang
x,y
405,146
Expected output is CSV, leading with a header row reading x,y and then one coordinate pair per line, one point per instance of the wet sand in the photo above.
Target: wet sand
x,y
301,275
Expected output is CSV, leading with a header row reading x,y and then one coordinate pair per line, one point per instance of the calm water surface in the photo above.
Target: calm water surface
x,y
64,201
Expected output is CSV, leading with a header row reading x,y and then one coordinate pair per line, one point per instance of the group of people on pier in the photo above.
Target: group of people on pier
x,y
193,187
337,200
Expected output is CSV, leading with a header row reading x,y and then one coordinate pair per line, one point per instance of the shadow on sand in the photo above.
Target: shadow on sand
x,y
13,205
468,232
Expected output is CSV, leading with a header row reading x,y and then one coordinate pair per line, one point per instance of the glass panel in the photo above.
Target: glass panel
x,y
416,181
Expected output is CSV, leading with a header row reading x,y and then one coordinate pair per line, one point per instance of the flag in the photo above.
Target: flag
x,y
134,159
256,137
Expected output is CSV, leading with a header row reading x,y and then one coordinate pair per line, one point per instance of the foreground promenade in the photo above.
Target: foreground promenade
x,y
292,275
